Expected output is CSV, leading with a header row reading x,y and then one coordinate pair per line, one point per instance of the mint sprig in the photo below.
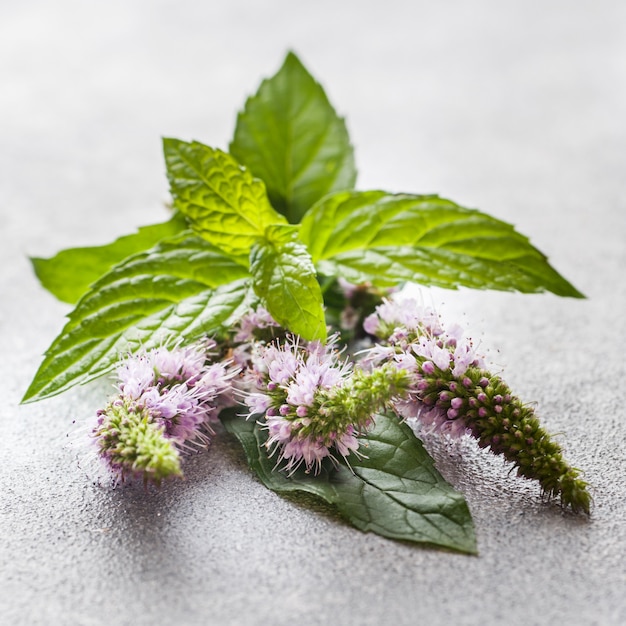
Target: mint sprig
x,y
264,225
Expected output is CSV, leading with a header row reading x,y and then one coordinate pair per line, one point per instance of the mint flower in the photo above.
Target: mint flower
x,y
399,322
452,392
133,445
254,329
253,324
312,404
165,403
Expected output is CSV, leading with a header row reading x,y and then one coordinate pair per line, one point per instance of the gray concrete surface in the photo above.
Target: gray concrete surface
x,y
514,107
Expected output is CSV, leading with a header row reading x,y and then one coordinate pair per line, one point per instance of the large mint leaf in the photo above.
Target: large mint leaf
x,y
184,288
290,136
396,492
222,201
68,274
284,278
384,238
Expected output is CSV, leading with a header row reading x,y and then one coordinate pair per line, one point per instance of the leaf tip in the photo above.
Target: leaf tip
x,y
37,263
291,58
574,293
31,395
170,143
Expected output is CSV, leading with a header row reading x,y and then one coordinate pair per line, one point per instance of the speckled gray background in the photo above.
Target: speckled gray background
x,y
518,108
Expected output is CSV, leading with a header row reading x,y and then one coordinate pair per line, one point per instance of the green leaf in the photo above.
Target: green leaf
x,y
222,201
384,238
396,492
179,289
68,274
290,136
284,278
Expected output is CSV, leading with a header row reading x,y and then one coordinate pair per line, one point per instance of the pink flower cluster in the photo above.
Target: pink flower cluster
x,y
414,338
290,379
167,398
179,388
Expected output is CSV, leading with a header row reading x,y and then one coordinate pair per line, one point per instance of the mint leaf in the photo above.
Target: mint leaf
x,y
222,201
384,238
284,277
68,274
184,288
396,492
290,136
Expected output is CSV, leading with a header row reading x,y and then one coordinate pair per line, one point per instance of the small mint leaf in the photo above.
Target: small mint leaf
x,y
284,277
69,273
184,288
290,136
384,239
396,492
222,201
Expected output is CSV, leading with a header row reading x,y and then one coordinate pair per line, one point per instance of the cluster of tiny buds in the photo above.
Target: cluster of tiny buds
x,y
453,393
483,405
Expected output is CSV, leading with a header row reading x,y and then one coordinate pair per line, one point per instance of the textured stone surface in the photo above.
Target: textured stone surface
x,y
514,107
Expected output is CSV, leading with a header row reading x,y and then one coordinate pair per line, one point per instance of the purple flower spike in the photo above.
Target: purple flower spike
x,y
452,393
